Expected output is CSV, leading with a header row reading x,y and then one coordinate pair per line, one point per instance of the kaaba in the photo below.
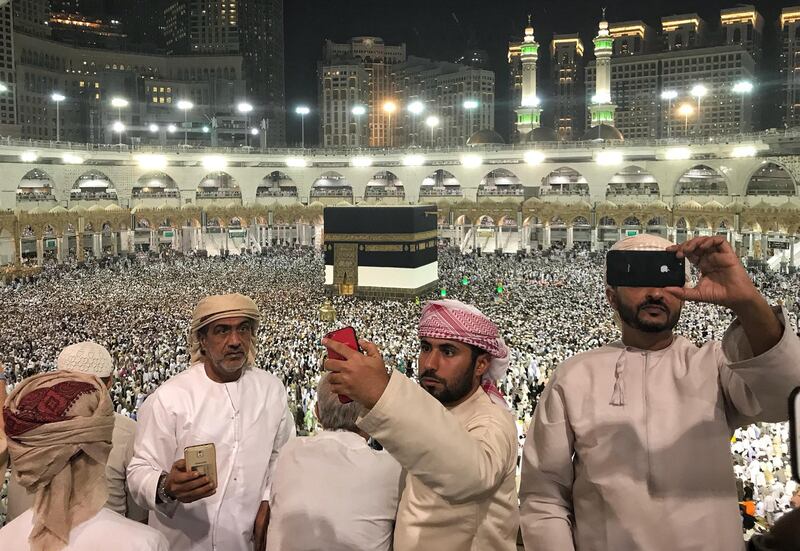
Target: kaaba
x,y
381,252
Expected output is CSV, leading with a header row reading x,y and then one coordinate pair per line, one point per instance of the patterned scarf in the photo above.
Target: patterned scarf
x,y
59,427
453,320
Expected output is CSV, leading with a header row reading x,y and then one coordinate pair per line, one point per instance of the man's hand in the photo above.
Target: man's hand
x,y
723,279
187,487
361,377
260,527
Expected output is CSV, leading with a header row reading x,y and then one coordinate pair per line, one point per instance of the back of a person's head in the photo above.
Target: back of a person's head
x,y
334,415
59,427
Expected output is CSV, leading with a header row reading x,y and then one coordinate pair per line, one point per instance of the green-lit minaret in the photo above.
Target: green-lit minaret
x,y
601,108
528,113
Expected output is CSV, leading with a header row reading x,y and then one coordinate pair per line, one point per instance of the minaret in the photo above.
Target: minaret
x,y
601,108
529,112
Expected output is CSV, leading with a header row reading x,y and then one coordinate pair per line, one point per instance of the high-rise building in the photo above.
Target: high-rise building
x,y
376,58
176,28
89,78
743,26
261,47
32,17
252,29
638,81
790,65
721,110
528,111
343,88
680,32
442,88
634,91
631,38
87,31
567,71
8,77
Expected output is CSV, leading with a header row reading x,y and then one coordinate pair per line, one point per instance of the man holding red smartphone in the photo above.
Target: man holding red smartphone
x,y
453,434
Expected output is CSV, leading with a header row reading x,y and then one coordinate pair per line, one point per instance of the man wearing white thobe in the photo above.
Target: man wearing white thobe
x,y
332,491
219,400
629,448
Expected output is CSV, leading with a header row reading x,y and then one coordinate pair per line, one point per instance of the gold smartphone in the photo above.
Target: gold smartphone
x,y
203,459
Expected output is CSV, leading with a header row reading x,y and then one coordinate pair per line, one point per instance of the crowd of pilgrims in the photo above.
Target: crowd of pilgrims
x,y
549,307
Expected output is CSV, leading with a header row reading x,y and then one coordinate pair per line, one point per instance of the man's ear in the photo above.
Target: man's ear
x,y
482,363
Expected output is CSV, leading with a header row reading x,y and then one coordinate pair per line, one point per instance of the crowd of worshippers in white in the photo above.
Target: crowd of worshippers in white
x,y
628,448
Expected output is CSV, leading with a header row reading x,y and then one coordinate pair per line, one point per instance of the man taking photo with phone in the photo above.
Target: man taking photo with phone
x,y
629,448
453,433
221,399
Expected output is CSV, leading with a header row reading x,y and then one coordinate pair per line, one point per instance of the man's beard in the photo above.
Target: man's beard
x,y
632,317
449,394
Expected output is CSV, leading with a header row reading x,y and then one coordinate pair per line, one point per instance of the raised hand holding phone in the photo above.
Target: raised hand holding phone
x,y
346,336
363,377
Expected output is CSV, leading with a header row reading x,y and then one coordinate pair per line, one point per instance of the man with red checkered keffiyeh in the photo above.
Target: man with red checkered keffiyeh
x,y
453,433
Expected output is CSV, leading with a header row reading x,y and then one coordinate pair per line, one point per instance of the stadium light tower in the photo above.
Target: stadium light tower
x,y
185,106
699,91
58,98
302,110
743,88
669,95
358,111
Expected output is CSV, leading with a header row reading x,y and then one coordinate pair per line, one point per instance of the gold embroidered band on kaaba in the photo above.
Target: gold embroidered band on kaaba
x,y
380,237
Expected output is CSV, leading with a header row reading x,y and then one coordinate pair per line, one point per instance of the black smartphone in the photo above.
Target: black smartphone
x,y
794,432
645,269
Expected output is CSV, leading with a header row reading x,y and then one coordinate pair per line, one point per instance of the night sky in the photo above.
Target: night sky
x,y
444,29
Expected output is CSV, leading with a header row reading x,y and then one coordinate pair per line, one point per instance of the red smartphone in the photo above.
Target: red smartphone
x,y
346,336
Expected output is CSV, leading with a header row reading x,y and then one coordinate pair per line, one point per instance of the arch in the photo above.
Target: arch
x,y
331,184
93,185
500,181
607,221
701,180
657,221
631,221
564,181
632,180
218,185
155,185
277,184
580,221
486,221
384,184
440,182
771,179
36,185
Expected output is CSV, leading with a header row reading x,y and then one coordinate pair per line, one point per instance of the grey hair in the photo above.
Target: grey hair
x,y
334,415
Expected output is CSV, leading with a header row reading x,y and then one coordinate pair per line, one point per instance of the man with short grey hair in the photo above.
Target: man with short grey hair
x,y
332,490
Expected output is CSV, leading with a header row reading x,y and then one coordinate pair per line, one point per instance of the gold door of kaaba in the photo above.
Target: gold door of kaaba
x,y
345,267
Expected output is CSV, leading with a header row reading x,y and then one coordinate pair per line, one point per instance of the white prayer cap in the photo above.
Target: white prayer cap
x,y
642,242
86,357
